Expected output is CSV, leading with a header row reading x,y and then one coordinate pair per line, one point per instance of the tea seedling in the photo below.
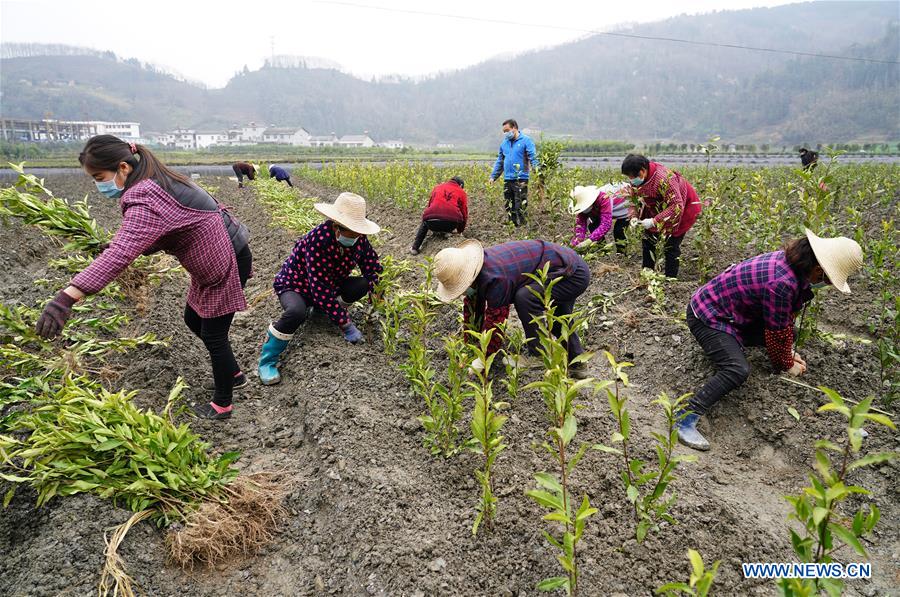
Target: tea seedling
x,y
825,530
486,425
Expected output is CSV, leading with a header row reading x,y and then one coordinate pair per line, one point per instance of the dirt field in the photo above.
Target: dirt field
x,y
372,513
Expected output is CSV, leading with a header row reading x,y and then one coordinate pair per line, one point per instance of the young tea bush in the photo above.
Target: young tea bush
x,y
825,528
485,426
645,489
560,391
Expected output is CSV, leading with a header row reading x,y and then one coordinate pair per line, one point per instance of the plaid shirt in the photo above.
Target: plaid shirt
x,y
503,273
318,266
152,221
762,291
669,199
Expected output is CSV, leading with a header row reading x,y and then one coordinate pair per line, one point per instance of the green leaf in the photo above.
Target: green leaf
x,y
875,458
696,562
7,498
548,481
14,478
793,412
847,537
552,584
819,515
608,449
545,499
882,419
631,493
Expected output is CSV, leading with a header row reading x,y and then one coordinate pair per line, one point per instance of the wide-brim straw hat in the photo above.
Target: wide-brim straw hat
x,y
349,210
456,268
582,198
840,257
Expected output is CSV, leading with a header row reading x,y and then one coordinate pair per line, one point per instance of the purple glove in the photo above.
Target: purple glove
x,y
351,333
55,315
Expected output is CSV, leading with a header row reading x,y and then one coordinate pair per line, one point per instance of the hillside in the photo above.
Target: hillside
x,y
598,87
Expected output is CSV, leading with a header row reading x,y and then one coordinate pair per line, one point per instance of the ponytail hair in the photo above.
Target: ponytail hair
x,y
106,152
801,258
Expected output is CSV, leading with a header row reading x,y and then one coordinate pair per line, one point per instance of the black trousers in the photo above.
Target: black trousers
x,y
515,192
295,304
287,180
671,250
564,294
213,332
435,225
727,355
620,225
239,174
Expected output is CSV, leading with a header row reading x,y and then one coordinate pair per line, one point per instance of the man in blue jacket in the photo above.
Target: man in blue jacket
x,y
517,154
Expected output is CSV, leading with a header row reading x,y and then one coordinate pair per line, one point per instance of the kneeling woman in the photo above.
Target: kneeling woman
x,y
163,210
754,303
492,279
595,209
317,274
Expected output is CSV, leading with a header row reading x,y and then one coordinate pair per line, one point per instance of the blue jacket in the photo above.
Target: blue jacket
x,y
519,152
279,173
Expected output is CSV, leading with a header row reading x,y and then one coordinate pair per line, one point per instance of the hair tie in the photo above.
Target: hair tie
x,y
133,148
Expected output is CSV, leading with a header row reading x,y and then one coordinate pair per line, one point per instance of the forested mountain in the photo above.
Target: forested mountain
x,y
602,86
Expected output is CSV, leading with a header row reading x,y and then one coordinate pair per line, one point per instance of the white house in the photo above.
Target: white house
x,y
253,133
323,140
392,144
183,139
356,141
204,139
299,137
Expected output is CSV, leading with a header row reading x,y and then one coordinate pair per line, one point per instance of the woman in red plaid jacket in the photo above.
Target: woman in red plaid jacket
x,y
163,210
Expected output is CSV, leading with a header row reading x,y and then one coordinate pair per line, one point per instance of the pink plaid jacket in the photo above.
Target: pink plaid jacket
x,y
152,221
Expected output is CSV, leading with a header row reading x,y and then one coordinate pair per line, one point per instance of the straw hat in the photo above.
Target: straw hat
x,y
582,198
840,257
349,210
456,268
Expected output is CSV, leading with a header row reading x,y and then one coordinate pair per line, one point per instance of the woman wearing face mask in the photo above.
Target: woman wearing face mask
x,y
163,210
670,207
754,303
317,274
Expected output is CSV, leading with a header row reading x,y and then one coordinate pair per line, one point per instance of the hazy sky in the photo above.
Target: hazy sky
x,y
210,40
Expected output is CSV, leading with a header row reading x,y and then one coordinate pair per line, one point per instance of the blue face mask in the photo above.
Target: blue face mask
x,y
818,285
109,188
346,240
636,182
510,135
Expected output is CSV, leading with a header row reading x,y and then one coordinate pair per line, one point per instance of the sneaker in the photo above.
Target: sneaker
x,y
212,412
413,251
240,381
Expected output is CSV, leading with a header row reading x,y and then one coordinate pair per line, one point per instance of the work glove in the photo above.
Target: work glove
x,y
635,222
584,245
476,367
647,223
351,333
54,316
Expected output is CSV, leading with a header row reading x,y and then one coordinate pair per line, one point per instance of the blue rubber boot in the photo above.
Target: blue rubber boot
x,y
687,431
275,344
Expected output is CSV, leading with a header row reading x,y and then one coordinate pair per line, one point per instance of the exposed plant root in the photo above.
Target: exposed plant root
x,y
240,525
135,284
114,576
